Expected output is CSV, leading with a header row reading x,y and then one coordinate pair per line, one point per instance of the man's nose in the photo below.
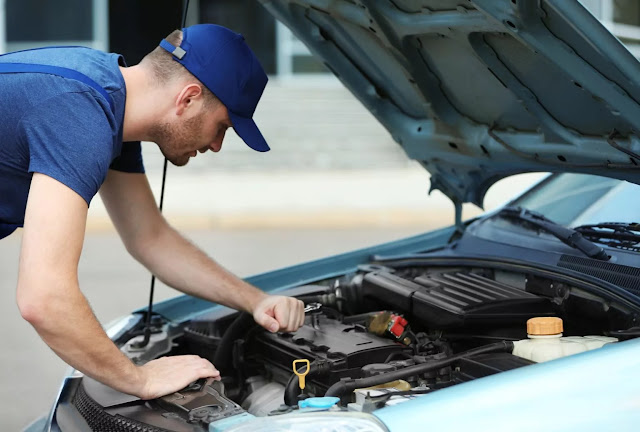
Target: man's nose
x,y
216,145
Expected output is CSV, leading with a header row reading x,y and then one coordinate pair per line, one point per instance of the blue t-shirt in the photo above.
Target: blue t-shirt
x,y
60,127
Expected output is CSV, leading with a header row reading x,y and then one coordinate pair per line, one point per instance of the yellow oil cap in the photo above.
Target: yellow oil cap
x,y
543,326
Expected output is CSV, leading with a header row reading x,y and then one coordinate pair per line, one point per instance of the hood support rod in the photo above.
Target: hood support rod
x,y
147,325
457,204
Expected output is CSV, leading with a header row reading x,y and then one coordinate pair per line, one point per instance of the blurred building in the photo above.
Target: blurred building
x,y
133,28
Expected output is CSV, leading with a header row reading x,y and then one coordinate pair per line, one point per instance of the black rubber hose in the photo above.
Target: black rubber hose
x,y
223,359
347,385
292,389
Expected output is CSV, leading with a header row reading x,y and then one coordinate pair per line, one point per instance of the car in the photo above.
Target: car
x,y
524,318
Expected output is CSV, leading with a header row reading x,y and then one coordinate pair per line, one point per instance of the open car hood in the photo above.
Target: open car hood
x,y
480,90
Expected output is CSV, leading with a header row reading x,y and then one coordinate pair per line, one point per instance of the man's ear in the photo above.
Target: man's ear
x,y
190,95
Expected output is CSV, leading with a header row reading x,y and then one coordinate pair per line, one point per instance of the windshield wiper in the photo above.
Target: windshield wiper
x,y
619,235
566,235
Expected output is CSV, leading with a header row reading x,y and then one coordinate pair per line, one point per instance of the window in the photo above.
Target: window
x,y
626,12
293,57
620,17
36,23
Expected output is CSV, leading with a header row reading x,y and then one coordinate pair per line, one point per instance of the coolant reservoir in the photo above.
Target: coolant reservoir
x,y
546,342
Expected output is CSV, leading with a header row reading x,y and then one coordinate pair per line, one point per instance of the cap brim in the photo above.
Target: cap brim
x,y
247,129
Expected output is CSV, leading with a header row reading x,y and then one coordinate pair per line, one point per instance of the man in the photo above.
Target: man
x,y
65,134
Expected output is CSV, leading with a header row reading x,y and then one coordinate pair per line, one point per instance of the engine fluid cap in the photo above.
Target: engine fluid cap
x,y
319,402
544,326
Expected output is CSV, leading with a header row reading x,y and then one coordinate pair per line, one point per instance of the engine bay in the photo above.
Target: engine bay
x,y
379,336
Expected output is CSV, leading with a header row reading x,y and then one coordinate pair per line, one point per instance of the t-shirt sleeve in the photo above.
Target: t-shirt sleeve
x,y
130,159
70,138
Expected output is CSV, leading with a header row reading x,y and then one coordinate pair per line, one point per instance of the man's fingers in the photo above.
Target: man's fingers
x,y
209,368
195,362
208,373
292,321
292,308
267,322
297,310
300,313
301,319
297,314
280,313
170,374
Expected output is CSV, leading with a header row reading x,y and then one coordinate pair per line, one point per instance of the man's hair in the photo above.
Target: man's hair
x,y
165,68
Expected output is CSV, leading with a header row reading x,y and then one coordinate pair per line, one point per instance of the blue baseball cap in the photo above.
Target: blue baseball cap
x,y
225,64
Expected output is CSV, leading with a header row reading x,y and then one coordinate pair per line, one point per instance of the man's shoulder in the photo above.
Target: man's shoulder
x,y
67,56
30,91
101,67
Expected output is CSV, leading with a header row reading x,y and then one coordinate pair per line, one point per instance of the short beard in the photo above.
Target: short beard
x,y
171,139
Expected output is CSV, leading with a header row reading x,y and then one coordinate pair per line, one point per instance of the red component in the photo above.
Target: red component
x,y
397,326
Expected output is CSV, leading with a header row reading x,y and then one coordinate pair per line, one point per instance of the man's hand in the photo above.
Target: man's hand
x,y
279,313
170,374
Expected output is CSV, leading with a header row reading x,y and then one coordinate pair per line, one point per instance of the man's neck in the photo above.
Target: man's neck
x,y
144,104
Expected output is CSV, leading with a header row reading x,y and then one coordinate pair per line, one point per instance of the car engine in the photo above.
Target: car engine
x,y
378,336
384,320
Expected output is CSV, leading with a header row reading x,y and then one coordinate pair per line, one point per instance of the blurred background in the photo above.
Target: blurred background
x,y
333,181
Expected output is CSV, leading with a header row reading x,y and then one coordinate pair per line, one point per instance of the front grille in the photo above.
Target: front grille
x,y
100,421
621,275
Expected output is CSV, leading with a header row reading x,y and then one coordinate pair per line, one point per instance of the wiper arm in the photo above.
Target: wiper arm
x,y
566,235
615,234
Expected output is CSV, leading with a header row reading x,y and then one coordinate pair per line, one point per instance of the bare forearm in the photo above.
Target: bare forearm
x,y
183,266
67,324
180,264
49,298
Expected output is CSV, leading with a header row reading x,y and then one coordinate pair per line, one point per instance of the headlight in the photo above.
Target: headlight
x,y
312,422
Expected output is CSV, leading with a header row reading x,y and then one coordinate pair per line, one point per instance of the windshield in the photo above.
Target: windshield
x,y
580,199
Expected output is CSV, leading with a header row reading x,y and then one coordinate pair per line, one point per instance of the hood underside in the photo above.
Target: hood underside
x,y
480,90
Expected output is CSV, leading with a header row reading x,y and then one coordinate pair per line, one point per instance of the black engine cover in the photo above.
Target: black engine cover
x,y
346,347
450,300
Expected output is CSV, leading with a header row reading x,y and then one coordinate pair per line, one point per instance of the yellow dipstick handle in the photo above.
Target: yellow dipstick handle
x,y
303,374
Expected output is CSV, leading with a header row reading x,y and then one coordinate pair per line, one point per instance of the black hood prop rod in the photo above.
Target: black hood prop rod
x,y
147,325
